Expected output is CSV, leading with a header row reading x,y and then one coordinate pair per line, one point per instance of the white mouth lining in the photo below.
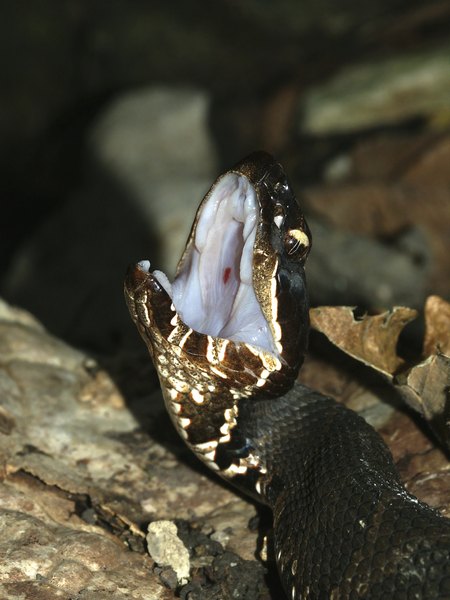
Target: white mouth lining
x,y
213,294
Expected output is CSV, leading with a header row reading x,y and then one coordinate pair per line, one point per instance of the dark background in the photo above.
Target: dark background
x,y
375,182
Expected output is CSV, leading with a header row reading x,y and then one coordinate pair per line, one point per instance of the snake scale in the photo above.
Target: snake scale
x,y
227,338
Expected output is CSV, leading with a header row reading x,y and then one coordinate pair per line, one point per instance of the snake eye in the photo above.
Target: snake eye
x,y
297,243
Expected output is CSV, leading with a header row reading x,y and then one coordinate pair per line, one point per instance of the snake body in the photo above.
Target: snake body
x,y
227,338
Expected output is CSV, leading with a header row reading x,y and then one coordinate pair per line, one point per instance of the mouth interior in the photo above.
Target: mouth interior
x,y
213,293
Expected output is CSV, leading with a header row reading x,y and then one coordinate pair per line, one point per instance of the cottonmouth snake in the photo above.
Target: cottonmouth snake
x,y
227,338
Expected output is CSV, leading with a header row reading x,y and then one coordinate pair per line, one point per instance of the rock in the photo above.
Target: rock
x,y
79,473
166,548
153,134
379,93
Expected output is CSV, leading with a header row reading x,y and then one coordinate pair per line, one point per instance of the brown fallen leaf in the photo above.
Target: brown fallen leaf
x,y
370,339
437,326
426,388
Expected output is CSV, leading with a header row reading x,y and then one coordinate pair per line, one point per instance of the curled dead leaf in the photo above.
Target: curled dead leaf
x,y
370,339
425,387
437,326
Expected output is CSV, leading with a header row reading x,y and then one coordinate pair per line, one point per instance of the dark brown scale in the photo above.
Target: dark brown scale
x,y
340,510
195,345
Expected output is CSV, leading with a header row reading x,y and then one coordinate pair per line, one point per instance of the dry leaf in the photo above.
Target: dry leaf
x,y
437,326
371,339
425,387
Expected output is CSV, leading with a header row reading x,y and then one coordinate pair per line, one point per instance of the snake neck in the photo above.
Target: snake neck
x,y
342,520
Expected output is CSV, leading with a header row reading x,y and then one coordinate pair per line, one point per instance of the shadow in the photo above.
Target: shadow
x,y
70,273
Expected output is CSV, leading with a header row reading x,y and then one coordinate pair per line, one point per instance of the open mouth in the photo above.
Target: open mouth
x,y
213,291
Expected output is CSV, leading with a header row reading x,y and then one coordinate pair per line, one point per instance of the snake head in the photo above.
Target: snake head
x,y
238,305
234,322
